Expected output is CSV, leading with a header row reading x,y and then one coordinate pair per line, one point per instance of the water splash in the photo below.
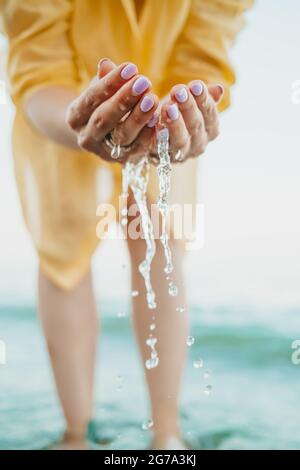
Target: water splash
x,y
208,390
173,290
198,364
154,360
190,340
164,171
120,383
121,314
147,424
136,176
180,309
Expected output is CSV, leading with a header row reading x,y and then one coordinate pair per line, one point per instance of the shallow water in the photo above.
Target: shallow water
x,y
254,402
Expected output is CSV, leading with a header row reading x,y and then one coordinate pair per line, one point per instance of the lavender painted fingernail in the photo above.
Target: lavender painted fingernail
x,y
140,85
129,71
146,104
181,95
173,112
197,88
153,121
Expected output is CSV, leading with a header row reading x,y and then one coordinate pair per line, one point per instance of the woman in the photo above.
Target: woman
x,y
168,50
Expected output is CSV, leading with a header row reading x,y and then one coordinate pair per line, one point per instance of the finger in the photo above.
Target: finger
x,y
145,141
192,116
127,131
105,118
207,106
216,91
178,135
82,108
104,67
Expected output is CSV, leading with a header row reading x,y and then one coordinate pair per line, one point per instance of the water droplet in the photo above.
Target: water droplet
x,y
151,342
152,326
168,268
173,290
121,314
134,293
180,309
198,364
147,425
208,389
151,300
207,374
152,363
124,211
120,383
124,221
190,340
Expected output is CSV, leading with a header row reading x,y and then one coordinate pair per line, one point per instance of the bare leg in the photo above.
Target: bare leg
x,y
171,332
69,321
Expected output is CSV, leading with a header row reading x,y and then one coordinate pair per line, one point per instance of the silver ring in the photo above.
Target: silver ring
x,y
117,150
178,156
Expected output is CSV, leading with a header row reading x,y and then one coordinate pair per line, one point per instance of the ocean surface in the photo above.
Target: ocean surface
x,y
254,403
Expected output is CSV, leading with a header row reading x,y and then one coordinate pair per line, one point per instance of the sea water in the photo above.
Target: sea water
x,y
253,404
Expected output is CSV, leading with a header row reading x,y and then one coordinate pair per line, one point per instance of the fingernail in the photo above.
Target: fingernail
x,y
197,88
146,104
129,71
153,121
181,95
101,62
140,85
173,112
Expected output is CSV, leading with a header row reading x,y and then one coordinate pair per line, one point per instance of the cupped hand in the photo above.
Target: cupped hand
x,y
118,101
191,116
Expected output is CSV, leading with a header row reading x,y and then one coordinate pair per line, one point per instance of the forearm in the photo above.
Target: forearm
x,y
46,109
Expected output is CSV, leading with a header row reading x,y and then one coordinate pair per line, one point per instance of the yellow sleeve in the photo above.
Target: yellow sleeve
x,y
201,51
40,51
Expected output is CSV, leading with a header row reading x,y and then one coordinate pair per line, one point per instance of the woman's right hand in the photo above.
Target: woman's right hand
x,y
120,103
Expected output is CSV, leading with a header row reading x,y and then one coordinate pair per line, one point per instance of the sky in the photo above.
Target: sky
x,y
249,185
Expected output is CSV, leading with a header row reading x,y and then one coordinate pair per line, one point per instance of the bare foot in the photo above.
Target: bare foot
x,y
71,442
168,443
76,445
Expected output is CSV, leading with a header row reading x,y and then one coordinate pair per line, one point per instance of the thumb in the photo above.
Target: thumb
x,y
104,67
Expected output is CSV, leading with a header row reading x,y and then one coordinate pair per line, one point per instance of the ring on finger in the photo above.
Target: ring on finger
x,y
117,150
179,156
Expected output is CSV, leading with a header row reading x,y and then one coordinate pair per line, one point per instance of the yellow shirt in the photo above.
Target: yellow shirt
x,y
59,42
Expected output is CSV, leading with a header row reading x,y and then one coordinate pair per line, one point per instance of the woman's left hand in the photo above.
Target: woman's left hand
x,y
191,116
